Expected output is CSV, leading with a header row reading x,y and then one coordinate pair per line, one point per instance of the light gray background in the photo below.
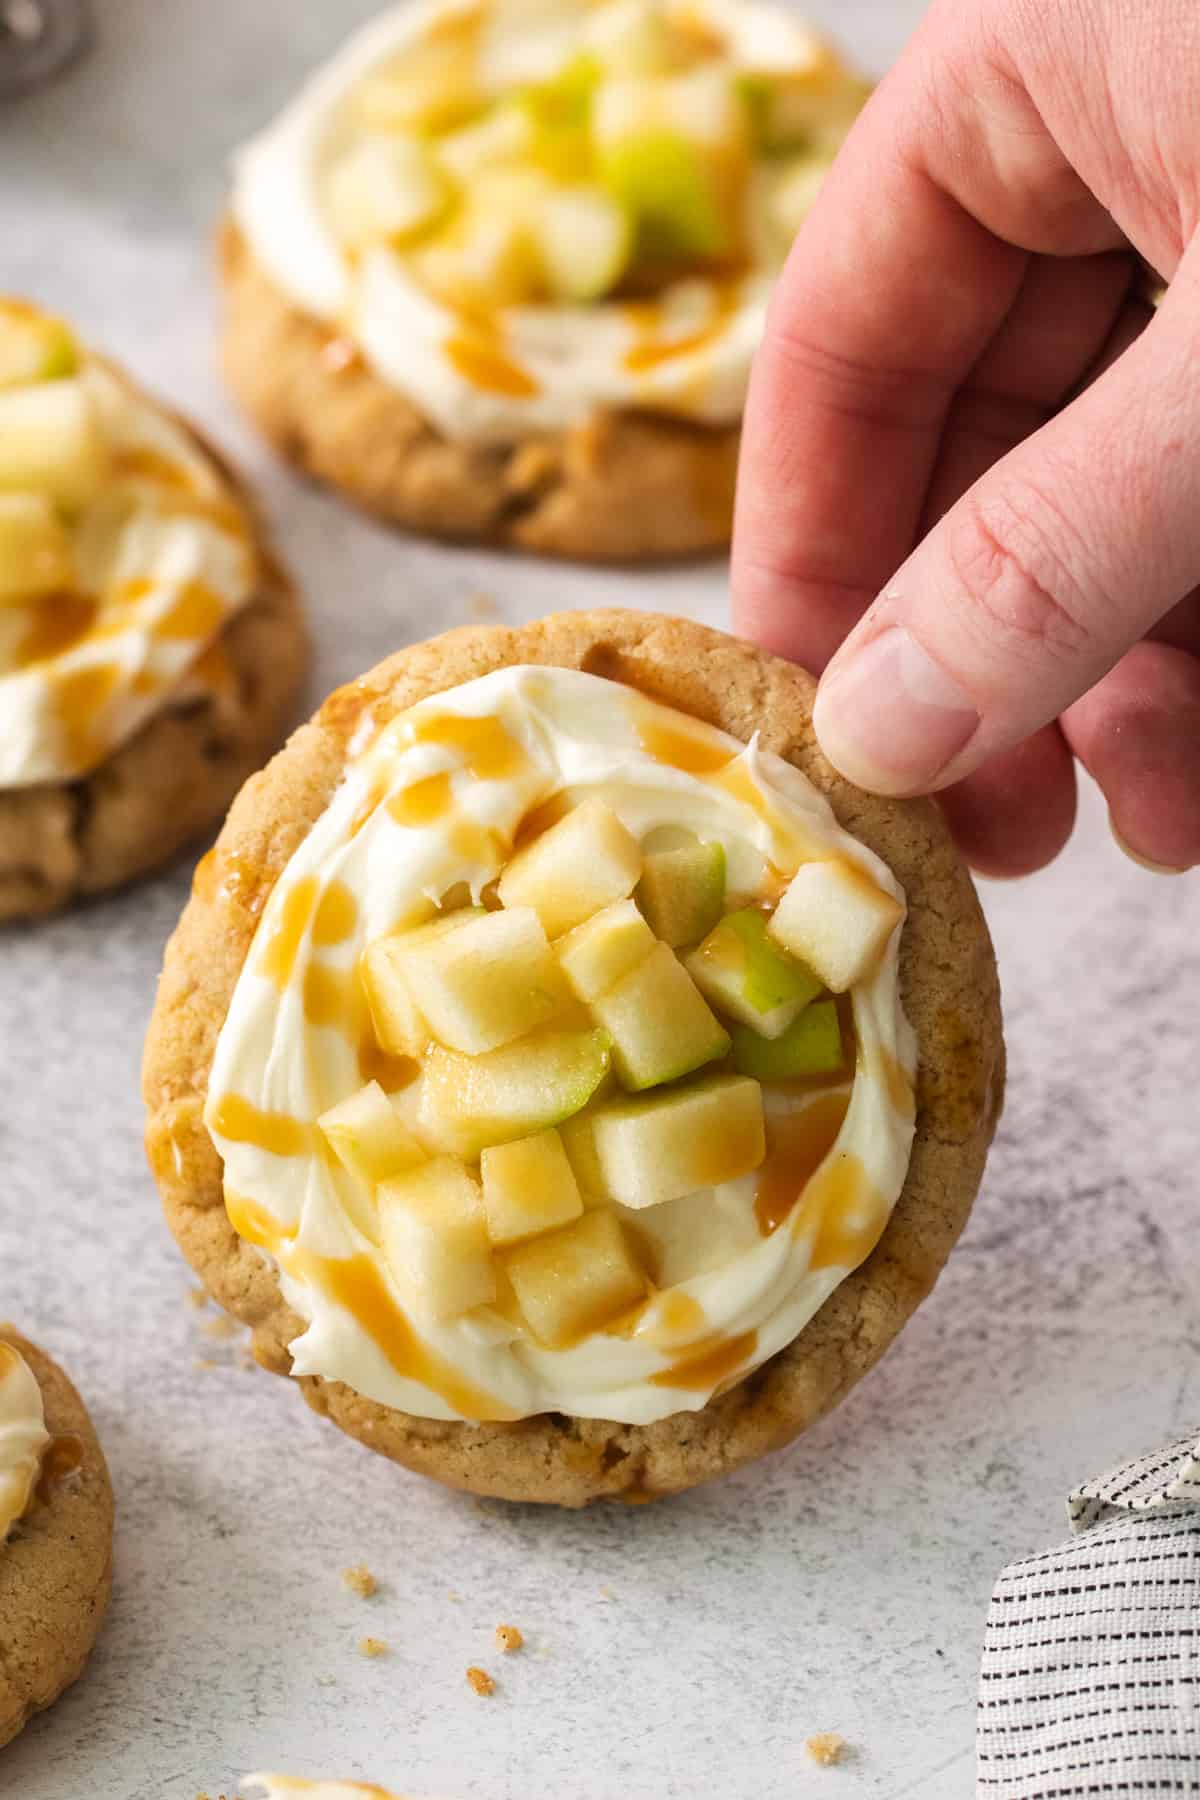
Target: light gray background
x,y
673,1650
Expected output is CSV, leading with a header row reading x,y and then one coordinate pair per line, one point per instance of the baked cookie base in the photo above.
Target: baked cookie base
x,y
56,1567
625,487
948,986
63,841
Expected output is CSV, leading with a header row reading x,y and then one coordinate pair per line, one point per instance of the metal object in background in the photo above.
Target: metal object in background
x,y
37,39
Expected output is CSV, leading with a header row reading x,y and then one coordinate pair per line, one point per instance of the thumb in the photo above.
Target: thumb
x,y
1036,583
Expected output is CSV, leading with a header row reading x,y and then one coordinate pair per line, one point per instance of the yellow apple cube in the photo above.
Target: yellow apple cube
x,y
497,138
667,1145
428,87
528,1188
579,1141
576,1280
661,1027
368,1137
585,241
490,980
605,947
837,919
435,1238
386,191
35,550
682,891
33,346
586,861
395,1016
469,1102
51,442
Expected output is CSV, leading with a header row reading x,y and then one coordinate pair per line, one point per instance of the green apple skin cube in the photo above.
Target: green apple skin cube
x,y
682,892
811,1045
666,183
664,1146
661,1026
470,1102
740,970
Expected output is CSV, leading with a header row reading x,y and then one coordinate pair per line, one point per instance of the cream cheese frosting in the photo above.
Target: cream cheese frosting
x,y
545,367
431,802
162,560
23,1436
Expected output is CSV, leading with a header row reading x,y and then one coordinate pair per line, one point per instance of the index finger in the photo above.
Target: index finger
x,y
890,294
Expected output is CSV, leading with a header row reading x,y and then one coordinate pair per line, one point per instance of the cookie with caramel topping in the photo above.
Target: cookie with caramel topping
x,y
56,1564
948,987
116,805
620,487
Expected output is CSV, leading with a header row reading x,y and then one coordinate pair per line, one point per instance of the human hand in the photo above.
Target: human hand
x,y
1017,580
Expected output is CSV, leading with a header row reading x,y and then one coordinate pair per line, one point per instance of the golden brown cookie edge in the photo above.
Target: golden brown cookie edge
x,y
48,1626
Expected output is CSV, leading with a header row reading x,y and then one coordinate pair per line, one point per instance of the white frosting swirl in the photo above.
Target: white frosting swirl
x,y
23,1436
577,360
729,1296
162,561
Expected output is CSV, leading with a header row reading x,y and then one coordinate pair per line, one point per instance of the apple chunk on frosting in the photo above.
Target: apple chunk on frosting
x,y
569,1080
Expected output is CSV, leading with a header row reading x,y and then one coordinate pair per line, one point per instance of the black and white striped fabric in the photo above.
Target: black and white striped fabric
x,y
1090,1681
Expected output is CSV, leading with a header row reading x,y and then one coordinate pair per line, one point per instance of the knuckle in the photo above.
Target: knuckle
x,y
1020,585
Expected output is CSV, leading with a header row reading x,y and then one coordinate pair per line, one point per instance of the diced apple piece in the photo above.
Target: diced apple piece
x,y
399,1027
499,137
744,973
579,1142
661,1027
435,1238
836,918
577,1280
33,346
665,1145
490,980
368,1137
809,108
682,891
584,862
35,551
636,37
428,87
605,947
51,442
585,240
386,191
669,152
528,1188
559,113
469,1102
488,255
811,1045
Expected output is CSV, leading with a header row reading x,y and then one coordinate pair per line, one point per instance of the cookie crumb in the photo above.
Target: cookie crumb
x,y
372,1647
359,1579
509,1638
826,1747
480,1681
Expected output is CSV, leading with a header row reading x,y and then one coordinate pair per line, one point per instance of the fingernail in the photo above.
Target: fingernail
x,y
1143,862
889,718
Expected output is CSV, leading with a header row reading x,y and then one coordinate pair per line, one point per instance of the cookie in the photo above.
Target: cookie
x,y
153,646
946,983
56,1565
513,297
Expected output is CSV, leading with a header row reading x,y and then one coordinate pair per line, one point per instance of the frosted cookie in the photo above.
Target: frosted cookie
x,y
150,646
56,1522
570,1079
499,270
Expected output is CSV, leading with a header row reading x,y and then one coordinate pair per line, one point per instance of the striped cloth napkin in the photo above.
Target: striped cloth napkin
x,y
1090,1681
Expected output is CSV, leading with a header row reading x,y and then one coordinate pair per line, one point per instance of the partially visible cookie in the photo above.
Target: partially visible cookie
x,y
150,645
56,1563
503,281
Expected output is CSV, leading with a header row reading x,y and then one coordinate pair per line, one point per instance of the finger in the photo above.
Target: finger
x,y
1060,321
1137,733
1038,579
1128,326
1015,813
1181,626
890,294
906,267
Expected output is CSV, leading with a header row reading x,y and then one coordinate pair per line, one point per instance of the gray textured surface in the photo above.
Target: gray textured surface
x,y
672,1650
